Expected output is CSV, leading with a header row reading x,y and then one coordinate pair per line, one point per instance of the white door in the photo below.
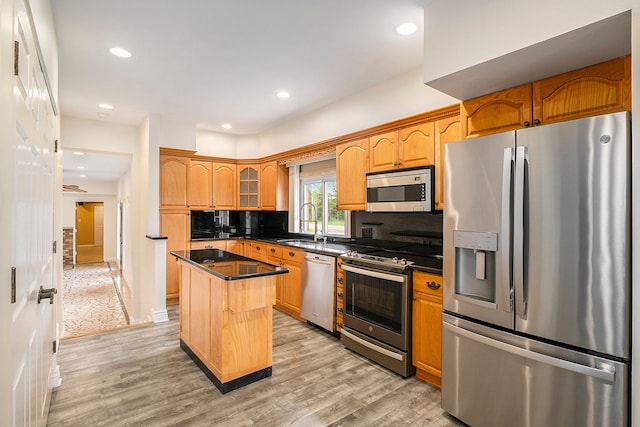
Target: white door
x,y
30,227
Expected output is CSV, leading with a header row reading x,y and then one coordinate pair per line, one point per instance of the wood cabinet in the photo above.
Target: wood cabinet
x,y
352,160
408,147
224,186
199,188
383,152
274,186
292,287
598,89
174,181
339,296
174,225
446,130
235,246
427,327
248,187
209,244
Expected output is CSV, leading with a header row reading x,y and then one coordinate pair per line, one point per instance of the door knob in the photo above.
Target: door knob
x,y
46,293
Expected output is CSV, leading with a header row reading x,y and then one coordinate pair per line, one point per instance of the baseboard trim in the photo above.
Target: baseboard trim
x,y
160,316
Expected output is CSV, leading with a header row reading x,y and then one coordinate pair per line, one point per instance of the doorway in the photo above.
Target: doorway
x,y
89,232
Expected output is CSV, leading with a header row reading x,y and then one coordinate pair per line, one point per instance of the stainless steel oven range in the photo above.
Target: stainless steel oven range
x,y
377,309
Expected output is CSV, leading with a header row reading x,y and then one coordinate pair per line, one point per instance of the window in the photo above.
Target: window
x,y
318,196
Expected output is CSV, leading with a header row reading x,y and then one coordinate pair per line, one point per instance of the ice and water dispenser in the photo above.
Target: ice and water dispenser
x,y
475,265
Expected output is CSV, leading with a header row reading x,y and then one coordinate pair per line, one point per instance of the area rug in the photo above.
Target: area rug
x,y
91,301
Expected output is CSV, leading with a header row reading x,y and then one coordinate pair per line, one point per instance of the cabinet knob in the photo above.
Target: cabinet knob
x,y
527,124
414,298
257,248
340,280
340,310
272,250
536,122
433,285
340,295
292,253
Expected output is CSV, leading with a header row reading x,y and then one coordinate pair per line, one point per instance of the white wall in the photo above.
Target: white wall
x,y
462,33
216,144
400,97
97,135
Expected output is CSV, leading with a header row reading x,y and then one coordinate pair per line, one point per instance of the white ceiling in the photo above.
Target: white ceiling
x,y
94,165
221,61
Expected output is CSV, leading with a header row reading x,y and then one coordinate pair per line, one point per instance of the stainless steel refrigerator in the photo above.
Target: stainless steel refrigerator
x,y
537,294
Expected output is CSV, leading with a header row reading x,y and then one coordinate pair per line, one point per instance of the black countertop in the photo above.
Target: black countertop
x,y
228,266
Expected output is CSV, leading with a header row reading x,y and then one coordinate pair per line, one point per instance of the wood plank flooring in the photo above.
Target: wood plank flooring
x,y
141,377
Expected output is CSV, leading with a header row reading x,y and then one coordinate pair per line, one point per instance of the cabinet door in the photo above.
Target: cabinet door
x,y
383,152
427,337
351,168
173,181
248,188
175,226
224,186
416,145
268,185
200,192
497,112
235,247
446,131
598,89
291,288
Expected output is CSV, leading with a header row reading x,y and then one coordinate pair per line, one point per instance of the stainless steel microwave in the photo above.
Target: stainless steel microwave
x,y
401,190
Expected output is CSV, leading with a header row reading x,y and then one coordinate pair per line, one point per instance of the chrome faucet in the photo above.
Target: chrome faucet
x,y
315,219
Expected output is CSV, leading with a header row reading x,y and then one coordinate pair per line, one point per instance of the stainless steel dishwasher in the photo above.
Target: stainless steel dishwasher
x,y
318,288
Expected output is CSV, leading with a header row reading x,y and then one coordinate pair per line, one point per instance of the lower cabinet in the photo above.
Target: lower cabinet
x,y
339,297
427,327
292,288
174,225
209,244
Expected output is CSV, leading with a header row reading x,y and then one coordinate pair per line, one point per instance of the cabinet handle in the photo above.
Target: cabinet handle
x,y
208,247
257,248
272,250
292,253
340,295
340,280
527,124
536,122
340,310
433,285
414,299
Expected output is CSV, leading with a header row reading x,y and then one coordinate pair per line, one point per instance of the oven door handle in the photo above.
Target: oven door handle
x,y
377,274
372,346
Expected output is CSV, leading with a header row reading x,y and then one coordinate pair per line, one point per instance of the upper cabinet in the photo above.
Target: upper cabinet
x,y
199,191
274,186
224,186
416,145
598,89
383,152
248,187
446,130
407,148
352,159
174,173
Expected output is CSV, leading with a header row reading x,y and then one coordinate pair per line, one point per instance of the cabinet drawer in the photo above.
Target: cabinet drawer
x,y
274,251
292,255
427,283
209,244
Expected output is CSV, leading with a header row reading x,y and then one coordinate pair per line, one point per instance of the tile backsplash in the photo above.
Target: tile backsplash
x,y
396,225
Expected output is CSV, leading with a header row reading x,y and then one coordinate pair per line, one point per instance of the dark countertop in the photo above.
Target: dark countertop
x,y
337,245
228,266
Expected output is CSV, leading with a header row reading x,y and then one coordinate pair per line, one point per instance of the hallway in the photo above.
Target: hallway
x,y
94,300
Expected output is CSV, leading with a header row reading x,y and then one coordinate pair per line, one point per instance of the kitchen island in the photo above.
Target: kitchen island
x,y
226,315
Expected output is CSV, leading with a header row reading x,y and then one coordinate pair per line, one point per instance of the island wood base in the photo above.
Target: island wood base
x,y
230,385
226,325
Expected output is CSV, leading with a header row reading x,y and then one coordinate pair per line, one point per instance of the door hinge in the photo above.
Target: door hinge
x,y
55,246
13,285
16,55
55,146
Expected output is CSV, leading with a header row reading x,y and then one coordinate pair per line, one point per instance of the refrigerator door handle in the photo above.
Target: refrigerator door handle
x,y
605,372
505,232
518,232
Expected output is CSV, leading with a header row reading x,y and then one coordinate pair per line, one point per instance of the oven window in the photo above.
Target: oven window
x,y
398,193
374,300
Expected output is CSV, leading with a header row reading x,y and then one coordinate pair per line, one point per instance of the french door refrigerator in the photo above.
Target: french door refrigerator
x,y
536,329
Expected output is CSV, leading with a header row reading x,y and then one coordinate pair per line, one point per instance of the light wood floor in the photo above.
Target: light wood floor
x,y
141,377
89,254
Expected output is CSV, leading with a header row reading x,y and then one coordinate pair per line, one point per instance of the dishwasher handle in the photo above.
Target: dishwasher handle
x,y
318,260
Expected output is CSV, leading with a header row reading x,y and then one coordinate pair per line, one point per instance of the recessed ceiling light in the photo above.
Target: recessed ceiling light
x,y
78,153
283,94
120,52
83,176
406,29
106,106
226,126
79,167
